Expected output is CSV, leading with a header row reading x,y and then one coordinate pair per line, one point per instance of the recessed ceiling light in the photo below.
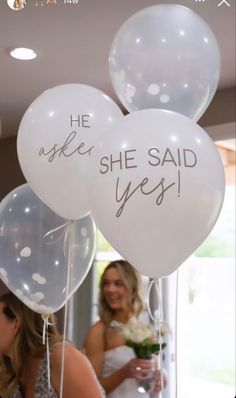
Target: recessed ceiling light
x,y
23,53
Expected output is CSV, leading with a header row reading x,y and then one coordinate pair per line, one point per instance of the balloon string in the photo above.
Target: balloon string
x,y
157,318
176,333
67,236
148,300
158,313
48,364
45,337
45,321
65,227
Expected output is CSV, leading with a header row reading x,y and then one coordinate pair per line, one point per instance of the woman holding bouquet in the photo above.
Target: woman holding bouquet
x,y
114,362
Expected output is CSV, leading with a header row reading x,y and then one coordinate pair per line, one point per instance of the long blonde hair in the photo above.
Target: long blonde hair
x,y
132,282
28,341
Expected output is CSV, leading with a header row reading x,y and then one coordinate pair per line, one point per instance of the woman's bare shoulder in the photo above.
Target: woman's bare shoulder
x,y
85,385
94,339
96,330
70,351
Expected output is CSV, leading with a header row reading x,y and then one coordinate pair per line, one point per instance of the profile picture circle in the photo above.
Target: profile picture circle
x,y
16,5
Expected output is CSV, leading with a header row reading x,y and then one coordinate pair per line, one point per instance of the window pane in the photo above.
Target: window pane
x,y
206,313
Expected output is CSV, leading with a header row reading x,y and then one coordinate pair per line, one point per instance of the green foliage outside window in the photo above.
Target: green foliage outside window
x,y
215,246
102,244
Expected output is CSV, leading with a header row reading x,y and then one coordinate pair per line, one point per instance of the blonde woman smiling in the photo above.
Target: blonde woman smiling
x,y
115,364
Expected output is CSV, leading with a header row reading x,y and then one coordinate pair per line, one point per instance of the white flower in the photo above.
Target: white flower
x,y
137,332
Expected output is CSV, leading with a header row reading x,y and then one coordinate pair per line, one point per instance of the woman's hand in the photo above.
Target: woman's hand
x,y
161,382
138,368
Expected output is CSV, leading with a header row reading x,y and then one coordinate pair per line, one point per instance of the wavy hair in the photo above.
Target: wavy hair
x,y
132,282
28,341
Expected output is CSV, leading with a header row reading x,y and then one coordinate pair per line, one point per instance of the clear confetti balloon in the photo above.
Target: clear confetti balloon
x,y
39,250
166,57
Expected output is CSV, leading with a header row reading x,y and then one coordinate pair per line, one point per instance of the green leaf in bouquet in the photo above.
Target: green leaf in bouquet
x,y
145,351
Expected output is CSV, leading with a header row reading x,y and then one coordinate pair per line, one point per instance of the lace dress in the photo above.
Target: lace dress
x,y
41,385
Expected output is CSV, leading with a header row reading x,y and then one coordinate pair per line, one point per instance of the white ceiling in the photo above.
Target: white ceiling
x,y
73,43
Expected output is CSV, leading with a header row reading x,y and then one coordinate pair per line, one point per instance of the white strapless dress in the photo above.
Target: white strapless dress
x,y
114,359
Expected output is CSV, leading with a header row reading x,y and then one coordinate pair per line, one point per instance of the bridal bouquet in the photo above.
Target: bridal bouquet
x,y
141,337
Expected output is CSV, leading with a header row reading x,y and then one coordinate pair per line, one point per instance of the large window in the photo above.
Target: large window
x,y
206,310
